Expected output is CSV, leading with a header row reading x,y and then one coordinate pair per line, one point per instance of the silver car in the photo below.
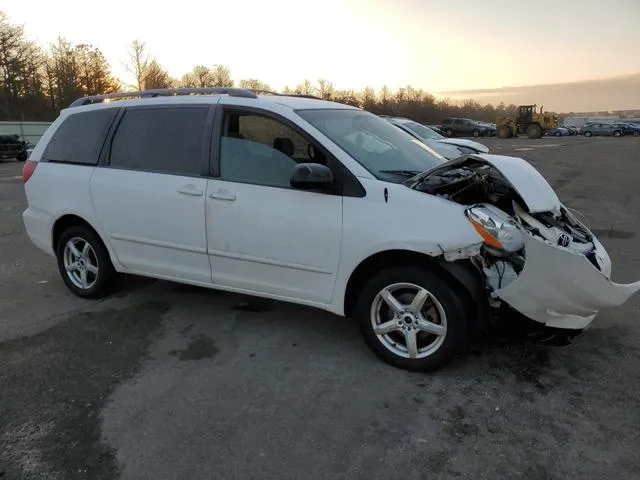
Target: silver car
x,y
449,148
603,129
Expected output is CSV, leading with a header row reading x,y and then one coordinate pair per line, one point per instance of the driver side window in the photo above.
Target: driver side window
x,y
260,150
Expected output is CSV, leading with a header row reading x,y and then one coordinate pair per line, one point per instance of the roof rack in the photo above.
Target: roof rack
x,y
165,92
299,95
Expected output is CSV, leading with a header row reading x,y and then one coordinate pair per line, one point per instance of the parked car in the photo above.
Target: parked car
x,y
603,129
628,128
558,132
491,128
436,128
316,203
464,127
447,147
12,147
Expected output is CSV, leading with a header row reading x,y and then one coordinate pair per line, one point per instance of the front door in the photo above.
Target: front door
x,y
150,195
262,235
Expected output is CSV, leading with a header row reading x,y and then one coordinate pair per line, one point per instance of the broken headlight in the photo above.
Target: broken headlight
x,y
497,229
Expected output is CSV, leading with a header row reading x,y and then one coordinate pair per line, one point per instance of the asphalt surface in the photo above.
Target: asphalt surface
x,y
165,381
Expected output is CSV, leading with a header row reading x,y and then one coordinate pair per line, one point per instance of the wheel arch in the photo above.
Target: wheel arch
x,y
461,275
69,220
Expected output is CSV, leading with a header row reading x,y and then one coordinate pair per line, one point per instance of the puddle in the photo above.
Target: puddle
x,y
198,349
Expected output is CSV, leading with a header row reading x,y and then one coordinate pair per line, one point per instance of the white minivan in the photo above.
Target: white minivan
x,y
312,202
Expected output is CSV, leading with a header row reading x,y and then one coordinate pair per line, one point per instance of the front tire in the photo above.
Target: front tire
x,y
504,132
448,132
84,262
587,134
412,319
21,157
476,133
534,131
617,133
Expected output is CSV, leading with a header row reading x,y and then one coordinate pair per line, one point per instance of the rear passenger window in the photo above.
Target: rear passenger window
x,y
163,140
80,137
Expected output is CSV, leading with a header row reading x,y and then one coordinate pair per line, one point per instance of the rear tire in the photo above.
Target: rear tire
x,y
476,133
534,131
558,134
448,132
84,262
587,133
423,337
617,133
21,157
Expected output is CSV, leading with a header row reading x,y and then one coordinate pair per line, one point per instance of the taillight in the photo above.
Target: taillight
x,y
28,169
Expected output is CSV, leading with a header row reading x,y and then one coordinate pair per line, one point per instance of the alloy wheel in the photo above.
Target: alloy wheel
x,y
80,263
408,320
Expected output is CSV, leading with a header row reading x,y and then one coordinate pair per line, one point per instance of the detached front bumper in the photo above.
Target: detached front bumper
x,y
563,289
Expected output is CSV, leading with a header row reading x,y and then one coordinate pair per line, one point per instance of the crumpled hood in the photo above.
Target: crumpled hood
x,y
532,187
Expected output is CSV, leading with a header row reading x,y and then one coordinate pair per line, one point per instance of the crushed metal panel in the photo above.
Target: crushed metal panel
x,y
561,288
535,191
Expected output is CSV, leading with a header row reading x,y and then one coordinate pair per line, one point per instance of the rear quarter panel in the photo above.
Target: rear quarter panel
x,y
53,191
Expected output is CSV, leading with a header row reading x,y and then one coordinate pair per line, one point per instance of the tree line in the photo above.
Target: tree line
x,y
36,83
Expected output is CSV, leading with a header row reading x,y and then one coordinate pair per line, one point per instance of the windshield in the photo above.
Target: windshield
x,y
379,146
423,132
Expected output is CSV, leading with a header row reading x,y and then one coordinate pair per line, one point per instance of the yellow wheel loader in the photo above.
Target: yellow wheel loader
x,y
528,121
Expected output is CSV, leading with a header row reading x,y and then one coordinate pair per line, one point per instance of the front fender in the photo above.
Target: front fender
x,y
400,220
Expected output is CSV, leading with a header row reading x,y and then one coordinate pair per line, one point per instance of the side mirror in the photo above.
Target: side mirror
x,y
311,176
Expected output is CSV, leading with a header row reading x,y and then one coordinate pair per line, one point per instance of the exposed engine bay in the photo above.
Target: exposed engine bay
x,y
501,216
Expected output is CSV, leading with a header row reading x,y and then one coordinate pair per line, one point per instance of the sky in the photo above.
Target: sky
x,y
437,45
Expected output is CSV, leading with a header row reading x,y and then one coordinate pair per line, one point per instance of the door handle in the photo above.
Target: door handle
x,y
192,192
223,195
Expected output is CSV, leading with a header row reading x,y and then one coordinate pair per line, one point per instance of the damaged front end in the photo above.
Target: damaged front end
x,y
537,257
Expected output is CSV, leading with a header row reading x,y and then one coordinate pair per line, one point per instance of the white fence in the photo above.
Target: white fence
x,y
29,131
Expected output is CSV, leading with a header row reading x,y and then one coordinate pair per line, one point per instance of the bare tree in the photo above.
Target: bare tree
x,y
20,71
36,83
95,75
385,96
221,76
348,97
139,63
156,77
146,70
368,98
305,88
63,71
254,84
200,76
325,89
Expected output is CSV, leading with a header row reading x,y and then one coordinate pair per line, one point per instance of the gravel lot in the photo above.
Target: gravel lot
x,y
165,381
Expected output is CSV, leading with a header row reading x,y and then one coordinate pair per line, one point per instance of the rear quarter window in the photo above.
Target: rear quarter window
x,y
161,139
80,137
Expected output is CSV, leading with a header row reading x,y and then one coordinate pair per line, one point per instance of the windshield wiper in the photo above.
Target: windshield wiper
x,y
406,173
